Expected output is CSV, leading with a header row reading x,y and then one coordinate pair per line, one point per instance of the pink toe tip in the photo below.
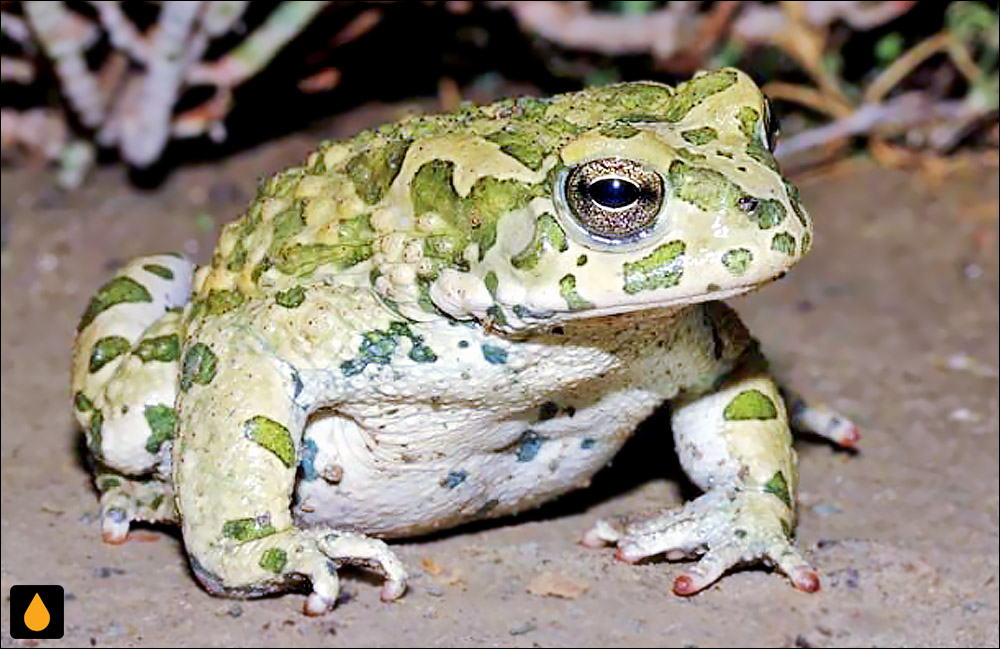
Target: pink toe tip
x,y
316,604
112,538
392,591
806,580
623,556
850,438
684,586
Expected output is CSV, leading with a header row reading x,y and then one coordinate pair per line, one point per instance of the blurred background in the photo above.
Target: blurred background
x,y
137,127
156,84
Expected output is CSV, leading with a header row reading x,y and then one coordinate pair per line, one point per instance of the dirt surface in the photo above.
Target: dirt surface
x,y
893,320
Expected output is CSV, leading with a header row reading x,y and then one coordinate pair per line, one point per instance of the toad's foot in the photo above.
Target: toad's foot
x,y
726,529
124,500
821,420
348,548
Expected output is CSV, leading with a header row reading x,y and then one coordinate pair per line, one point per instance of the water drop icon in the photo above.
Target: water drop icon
x,y
36,617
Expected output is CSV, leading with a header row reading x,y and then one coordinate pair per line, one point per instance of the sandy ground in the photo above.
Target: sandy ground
x,y
893,320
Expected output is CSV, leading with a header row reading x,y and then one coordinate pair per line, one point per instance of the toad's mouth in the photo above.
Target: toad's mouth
x,y
674,303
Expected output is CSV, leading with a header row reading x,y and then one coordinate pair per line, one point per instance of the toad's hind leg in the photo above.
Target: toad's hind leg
x,y
735,444
125,384
235,462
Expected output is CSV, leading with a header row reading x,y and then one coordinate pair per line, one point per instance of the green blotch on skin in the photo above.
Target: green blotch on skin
x,y
286,225
492,283
806,242
759,152
117,291
618,130
199,366
737,260
107,482
421,353
749,118
161,420
161,348
549,235
272,436
769,213
567,289
783,242
454,478
358,230
243,228
691,156
472,219
694,91
94,437
497,316
284,183
221,301
750,404
581,260
159,271
520,146
712,191
373,169
291,298
106,350
778,486
796,200
528,445
248,529
82,403
705,188
303,259
530,140
699,136
274,560
662,268
494,355
630,99
377,346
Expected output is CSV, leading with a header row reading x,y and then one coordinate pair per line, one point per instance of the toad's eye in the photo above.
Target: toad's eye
x,y
614,200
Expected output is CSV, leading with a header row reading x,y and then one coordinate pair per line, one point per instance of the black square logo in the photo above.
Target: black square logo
x,y
36,612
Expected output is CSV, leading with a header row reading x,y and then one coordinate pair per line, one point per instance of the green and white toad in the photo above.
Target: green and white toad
x,y
456,317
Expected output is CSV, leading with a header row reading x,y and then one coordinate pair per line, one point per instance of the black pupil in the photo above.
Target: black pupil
x,y
613,192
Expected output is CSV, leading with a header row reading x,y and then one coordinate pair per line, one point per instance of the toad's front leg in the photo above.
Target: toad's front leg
x,y
735,444
234,474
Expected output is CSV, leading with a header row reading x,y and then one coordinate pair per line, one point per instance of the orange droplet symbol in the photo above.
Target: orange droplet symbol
x,y
37,616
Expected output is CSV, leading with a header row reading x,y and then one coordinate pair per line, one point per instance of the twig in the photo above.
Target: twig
x,y
14,28
145,131
65,37
122,33
808,97
859,15
898,69
663,32
896,115
259,47
220,16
